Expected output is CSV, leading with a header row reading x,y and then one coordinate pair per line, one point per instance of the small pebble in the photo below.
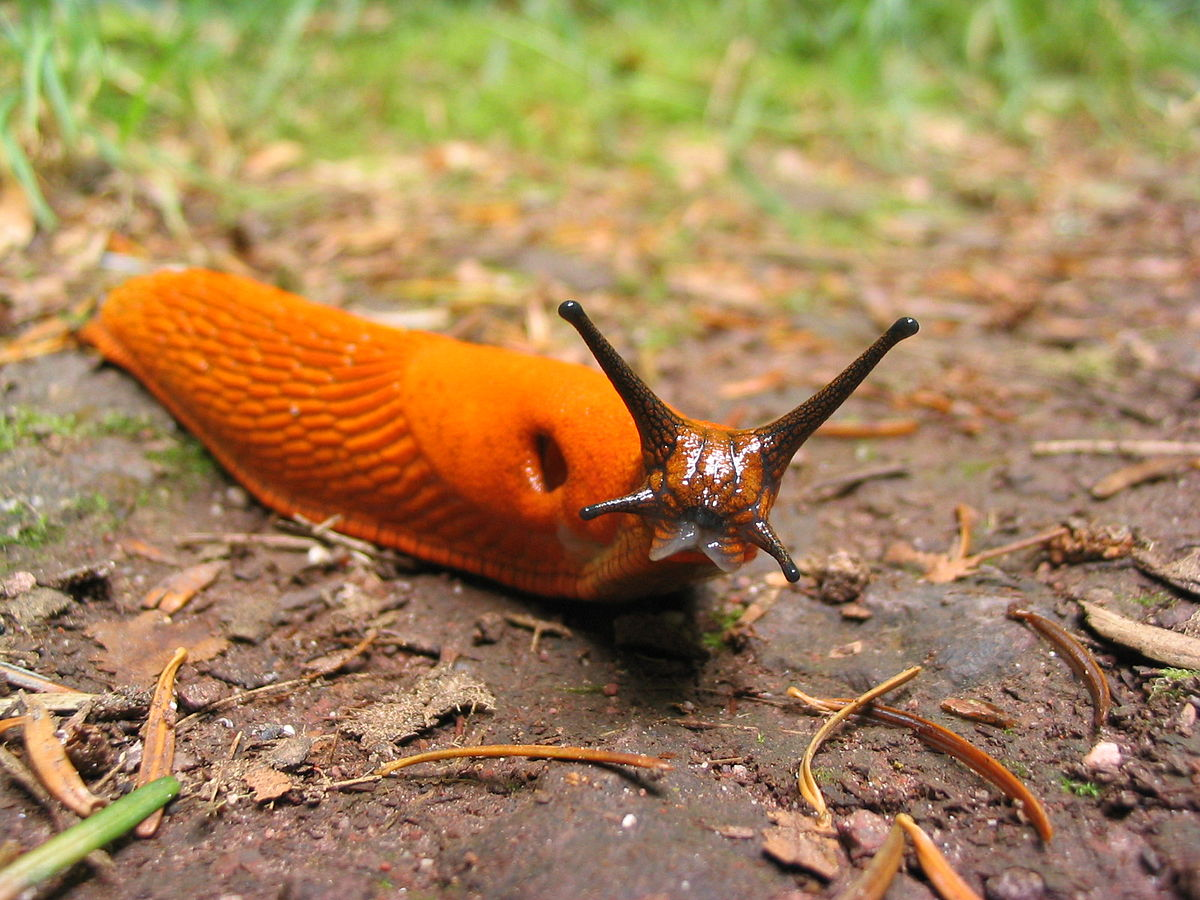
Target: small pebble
x,y
17,584
629,821
863,832
1015,884
1104,757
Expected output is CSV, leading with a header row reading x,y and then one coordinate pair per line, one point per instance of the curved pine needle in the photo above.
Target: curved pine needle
x,y
881,871
948,883
48,758
1082,663
946,741
805,780
158,742
533,751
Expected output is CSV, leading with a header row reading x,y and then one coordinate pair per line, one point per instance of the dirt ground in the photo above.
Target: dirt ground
x,y
1058,301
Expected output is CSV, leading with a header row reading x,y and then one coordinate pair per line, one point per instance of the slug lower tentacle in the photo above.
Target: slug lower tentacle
x,y
497,463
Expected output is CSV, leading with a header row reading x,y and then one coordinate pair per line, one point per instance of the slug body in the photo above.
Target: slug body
x,y
490,461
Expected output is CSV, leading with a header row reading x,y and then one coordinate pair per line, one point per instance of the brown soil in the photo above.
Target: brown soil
x,y
1072,315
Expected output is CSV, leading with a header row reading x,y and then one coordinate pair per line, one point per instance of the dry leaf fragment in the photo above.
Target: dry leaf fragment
x,y
173,592
1183,573
406,713
268,784
1159,644
942,568
805,843
137,649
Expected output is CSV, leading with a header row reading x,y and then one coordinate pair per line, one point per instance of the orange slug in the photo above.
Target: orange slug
x,y
537,474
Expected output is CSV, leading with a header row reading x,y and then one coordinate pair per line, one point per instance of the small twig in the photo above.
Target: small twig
x,y
1117,448
1082,663
538,627
333,665
275,541
1140,473
832,488
219,775
1159,644
31,681
807,782
158,741
861,430
323,531
335,661
533,751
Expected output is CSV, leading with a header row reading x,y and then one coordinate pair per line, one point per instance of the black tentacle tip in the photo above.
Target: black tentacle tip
x,y
903,328
572,311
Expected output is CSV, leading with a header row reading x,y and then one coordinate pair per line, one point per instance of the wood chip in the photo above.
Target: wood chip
x,y
1140,473
173,592
981,711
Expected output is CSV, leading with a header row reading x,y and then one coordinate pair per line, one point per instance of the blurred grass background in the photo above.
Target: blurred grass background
x,y
188,88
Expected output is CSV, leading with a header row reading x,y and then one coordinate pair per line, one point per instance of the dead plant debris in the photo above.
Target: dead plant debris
x,y
405,713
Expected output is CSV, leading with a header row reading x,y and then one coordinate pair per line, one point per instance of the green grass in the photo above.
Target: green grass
x,y
1079,788
1169,683
24,424
604,81
186,458
23,527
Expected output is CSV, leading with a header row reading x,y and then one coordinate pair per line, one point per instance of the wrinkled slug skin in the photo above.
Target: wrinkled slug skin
x,y
417,441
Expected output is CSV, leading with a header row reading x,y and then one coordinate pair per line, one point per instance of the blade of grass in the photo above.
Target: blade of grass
x,y
67,848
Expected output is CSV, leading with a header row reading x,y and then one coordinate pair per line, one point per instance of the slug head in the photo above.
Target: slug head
x,y
708,488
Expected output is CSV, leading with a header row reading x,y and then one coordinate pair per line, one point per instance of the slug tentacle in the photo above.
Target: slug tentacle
x,y
783,437
708,489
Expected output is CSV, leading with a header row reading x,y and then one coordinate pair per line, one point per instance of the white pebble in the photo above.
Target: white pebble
x,y
629,821
1104,757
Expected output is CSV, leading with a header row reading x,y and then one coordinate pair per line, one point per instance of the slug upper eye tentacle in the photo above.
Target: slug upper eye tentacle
x,y
708,488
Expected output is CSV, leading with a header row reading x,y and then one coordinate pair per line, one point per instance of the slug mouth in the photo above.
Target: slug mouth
x,y
703,531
